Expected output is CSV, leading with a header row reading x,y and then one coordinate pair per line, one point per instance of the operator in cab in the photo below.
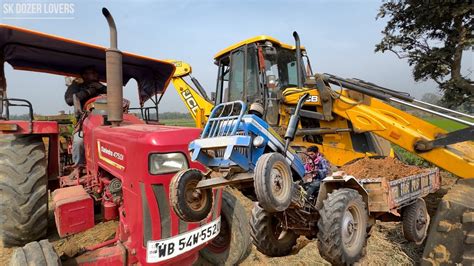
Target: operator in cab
x,y
316,169
85,89
89,88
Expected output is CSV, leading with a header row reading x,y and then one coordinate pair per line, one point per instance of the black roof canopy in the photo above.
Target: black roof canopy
x,y
34,51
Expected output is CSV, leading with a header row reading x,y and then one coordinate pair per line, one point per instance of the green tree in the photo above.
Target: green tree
x,y
432,36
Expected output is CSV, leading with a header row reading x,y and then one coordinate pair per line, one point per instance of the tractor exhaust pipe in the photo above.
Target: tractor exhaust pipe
x,y
113,59
299,73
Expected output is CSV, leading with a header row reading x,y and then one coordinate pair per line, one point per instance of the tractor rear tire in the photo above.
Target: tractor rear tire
x,y
273,182
266,235
35,253
415,220
342,227
23,189
233,244
189,203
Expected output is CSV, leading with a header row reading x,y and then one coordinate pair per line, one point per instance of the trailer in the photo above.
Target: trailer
x,y
392,200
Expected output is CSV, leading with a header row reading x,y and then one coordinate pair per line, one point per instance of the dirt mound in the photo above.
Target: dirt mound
x,y
388,167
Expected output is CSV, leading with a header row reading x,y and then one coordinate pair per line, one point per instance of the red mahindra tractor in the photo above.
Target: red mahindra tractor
x,y
129,165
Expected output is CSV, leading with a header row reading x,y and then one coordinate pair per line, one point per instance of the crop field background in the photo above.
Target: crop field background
x,y
181,122
446,124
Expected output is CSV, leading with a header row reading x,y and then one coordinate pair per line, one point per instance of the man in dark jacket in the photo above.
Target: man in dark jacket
x,y
88,89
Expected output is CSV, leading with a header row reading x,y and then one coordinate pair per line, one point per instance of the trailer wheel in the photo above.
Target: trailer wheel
x,y
415,221
232,245
35,253
273,182
342,227
189,203
267,234
23,189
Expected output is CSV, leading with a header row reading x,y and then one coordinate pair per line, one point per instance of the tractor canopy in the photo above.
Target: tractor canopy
x,y
35,51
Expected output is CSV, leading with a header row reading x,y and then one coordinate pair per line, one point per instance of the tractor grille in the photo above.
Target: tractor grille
x,y
164,209
219,152
146,216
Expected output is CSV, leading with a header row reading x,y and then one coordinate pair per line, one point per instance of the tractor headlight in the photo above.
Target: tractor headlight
x,y
258,141
162,163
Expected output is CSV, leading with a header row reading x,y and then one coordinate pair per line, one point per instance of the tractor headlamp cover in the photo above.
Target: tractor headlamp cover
x,y
258,141
163,163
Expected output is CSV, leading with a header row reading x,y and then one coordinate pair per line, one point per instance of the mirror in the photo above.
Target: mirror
x,y
270,52
213,96
271,81
77,106
1,105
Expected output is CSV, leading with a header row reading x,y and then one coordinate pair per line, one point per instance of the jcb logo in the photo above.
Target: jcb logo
x,y
190,101
313,99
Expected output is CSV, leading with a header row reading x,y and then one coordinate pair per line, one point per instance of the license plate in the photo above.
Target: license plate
x,y
160,250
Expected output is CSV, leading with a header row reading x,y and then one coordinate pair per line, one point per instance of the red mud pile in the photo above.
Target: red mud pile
x,y
388,167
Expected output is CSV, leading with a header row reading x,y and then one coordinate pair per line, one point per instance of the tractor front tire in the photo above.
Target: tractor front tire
x,y
23,189
342,227
273,182
35,253
415,221
189,203
233,244
267,235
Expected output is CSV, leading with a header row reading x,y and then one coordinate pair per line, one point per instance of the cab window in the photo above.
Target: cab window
x,y
236,86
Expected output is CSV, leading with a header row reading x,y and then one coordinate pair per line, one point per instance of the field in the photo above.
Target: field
x,y
444,123
182,122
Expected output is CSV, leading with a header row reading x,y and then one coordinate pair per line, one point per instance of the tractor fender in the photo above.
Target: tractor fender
x,y
331,183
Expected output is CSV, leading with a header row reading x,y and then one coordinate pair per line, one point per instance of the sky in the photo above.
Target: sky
x,y
339,36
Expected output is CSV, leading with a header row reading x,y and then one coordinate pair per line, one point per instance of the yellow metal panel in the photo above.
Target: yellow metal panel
x,y
182,68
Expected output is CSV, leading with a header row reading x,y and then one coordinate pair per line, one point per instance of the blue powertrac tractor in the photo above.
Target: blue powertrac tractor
x,y
235,142
242,150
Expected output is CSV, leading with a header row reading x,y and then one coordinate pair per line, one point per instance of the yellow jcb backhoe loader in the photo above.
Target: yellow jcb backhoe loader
x,y
350,121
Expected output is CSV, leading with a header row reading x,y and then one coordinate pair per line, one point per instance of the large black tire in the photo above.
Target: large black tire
x,y
450,239
189,203
23,189
35,254
415,221
267,234
273,182
342,227
232,245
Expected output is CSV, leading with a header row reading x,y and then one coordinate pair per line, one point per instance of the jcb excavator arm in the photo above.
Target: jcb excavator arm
x,y
407,131
195,99
453,152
